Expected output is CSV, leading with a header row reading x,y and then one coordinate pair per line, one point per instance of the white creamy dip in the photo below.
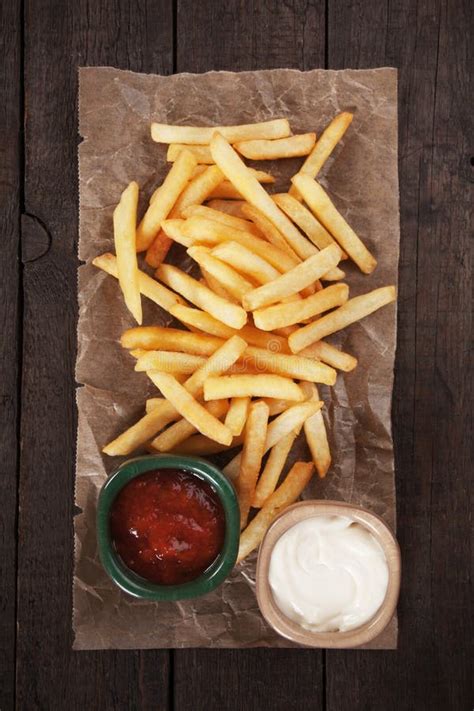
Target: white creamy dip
x,y
328,573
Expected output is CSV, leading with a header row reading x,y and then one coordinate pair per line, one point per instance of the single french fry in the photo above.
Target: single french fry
x,y
231,280
152,338
251,459
154,421
290,419
305,220
169,362
173,229
159,209
268,480
201,153
194,318
352,311
183,429
203,446
316,435
125,223
237,414
199,188
202,135
328,140
320,203
289,366
222,217
189,408
280,315
149,287
230,207
286,494
230,314
269,230
216,388
211,232
293,280
245,183
243,260
331,355
293,146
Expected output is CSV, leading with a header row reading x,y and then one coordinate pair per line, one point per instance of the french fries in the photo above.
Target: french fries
x,y
328,140
237,414
281,315
290,147
251,386
180,431
164,133
252,453
159,209
353,310
201,296
273,468
286,494
201,153
125,223
149,287
320,203
189,408
257,314
293,280
316,435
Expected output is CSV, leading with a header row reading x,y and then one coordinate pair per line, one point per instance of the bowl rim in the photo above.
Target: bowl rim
x,y
330,640
127,579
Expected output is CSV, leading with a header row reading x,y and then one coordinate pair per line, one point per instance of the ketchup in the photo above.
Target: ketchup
x,y
168,526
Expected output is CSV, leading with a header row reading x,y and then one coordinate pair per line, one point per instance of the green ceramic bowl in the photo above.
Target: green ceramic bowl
x,y
136,585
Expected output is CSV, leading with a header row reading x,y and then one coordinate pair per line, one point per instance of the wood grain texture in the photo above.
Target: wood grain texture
x,y
428,42
60,36
10,325
246,36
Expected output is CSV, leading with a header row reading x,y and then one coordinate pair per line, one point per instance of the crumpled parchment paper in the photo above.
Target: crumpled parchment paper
x,y
115,111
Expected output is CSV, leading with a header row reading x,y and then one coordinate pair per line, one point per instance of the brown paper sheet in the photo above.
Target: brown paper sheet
x,y
115,111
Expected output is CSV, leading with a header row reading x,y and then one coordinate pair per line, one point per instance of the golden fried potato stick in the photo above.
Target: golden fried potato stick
x,y
243,260
352,311
125,225
294,280
152,338
237,414
148,426
289,366
286,494
230,314
316,435
322,206
291,147
276,461
201,135
263,385
189,408
161,206
222,217
183,429
251,459
331,355
169,362
280,315
328,140
149,287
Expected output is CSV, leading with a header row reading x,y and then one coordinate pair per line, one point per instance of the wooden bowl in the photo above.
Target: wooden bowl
x,y
336,640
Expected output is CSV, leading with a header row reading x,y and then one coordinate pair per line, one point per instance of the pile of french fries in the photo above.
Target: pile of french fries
x,y
243,372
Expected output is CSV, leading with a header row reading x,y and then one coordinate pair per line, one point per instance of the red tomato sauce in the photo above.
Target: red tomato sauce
x,y
168,526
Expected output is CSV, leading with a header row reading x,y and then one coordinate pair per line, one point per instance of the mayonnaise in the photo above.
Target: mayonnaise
x,y
328,573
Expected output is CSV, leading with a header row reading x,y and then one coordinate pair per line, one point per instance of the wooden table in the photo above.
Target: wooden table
x,y
44,41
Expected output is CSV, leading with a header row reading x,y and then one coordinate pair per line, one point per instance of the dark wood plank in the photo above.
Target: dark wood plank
x,y
429,43
10,197
245,36
58,37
